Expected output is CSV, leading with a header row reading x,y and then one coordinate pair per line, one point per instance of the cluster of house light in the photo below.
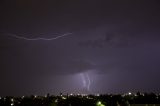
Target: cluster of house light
x,y
64,97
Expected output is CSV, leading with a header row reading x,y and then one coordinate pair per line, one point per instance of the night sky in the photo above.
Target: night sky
x,y
111,46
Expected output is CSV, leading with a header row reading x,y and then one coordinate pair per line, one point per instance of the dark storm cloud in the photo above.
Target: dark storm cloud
x,y
73,67
41,57
118,38
35,16
109,40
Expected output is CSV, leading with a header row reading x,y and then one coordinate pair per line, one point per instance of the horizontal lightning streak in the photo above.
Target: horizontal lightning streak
x,y
39,38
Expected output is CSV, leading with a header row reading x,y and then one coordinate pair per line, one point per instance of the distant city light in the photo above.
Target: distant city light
x,y
22,97
71,94
64,98
12,100
83,95
97,94
56,100
99,103
129,93
35,96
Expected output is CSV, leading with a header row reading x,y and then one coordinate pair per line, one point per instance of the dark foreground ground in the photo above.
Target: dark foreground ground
x,y
129,99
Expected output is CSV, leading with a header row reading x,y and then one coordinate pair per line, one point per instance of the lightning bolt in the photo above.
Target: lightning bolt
x,y
39,38
89,82
86,80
